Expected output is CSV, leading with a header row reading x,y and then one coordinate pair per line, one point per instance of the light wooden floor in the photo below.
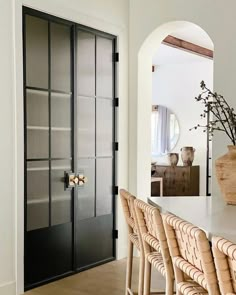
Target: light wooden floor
x,y
102,280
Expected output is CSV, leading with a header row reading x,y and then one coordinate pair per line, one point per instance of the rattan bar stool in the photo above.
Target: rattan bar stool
x,y
127,201
155,246
191,256
224,253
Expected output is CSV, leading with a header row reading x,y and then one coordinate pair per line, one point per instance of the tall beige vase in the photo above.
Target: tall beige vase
x,y
226,175
187,155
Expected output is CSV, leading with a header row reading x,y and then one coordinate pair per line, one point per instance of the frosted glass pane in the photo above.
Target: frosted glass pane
x,y
61,199
37,195
61,110
60,57
36,52
61,144
86,193
104,68
104,124
37,143
86,63
37,108
86,127
104,186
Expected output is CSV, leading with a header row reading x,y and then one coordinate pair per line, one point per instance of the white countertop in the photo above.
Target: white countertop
x,y
209,213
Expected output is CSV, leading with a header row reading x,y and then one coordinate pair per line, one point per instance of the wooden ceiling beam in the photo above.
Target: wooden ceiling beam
x,y
188,46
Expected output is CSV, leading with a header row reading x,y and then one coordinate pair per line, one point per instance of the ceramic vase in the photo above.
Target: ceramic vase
x,y
226,175
173,159
187,155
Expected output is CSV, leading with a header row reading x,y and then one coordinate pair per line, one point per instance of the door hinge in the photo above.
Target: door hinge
x,y
116,146
115,234
116,101
115,190
116,57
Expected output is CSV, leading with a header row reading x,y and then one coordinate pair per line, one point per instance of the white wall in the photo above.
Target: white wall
x,y
107,15
7,204
151,21
175,86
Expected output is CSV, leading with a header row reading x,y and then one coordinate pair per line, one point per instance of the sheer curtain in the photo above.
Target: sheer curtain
x,y
161,131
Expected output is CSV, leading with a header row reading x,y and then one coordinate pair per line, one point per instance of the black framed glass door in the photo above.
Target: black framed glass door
x,y
69,92
95,147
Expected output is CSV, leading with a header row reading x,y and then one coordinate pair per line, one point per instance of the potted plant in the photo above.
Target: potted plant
x,y
222,119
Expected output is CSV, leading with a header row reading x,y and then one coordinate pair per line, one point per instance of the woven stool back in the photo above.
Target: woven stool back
x,y
127,201
152,232
225,261
191,253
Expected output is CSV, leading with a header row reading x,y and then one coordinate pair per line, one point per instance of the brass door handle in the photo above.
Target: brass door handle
x,y
79,179
71,179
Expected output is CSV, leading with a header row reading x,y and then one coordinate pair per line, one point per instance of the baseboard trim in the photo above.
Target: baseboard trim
x,y
8,288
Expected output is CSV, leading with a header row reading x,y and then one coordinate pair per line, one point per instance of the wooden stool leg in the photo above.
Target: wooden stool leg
x,y
141,274
169,286
129,267
179,277
147,278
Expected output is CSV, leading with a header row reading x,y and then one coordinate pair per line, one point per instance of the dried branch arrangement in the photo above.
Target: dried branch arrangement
x,y
223,117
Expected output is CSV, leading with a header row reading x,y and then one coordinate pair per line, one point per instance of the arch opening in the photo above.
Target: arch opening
x,y
148,50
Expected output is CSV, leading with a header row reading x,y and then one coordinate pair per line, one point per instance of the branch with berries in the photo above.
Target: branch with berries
x,y
223,117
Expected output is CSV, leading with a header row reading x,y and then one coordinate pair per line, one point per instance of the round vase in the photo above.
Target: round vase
x,y
226,174
187,155
173,159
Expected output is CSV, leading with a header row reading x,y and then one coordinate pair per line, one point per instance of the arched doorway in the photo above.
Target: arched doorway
x,y
144,99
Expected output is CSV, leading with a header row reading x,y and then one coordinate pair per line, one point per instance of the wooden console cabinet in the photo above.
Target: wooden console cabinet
x,y
177,181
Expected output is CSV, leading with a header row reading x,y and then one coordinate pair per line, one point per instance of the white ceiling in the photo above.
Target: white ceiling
x,y
170,55
194,34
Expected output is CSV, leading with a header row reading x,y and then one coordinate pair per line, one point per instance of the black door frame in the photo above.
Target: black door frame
x,y
74,27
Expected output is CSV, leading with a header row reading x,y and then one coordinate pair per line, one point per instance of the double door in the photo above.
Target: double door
x,y
69,90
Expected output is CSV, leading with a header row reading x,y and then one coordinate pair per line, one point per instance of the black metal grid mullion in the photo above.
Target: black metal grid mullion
x,y
74,137
46,159
95,161
48,90
49,123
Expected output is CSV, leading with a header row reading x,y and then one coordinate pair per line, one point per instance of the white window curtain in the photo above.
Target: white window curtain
x,y
160,131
